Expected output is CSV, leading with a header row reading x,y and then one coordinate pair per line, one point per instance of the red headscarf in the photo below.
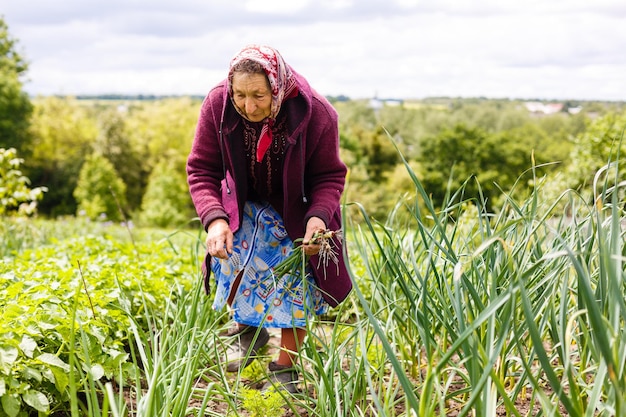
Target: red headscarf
x,y
282,84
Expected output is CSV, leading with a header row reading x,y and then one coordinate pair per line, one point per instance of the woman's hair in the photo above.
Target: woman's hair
x,y
248,66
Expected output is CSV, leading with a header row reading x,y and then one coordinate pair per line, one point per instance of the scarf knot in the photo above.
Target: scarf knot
x,y
265,139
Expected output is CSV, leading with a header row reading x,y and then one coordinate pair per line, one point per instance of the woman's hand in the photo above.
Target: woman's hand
x,y
219,240
315,224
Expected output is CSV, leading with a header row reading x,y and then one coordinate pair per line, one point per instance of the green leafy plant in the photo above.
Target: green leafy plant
x,y
87,290
15,194
269,404
166,202
100,192
15,103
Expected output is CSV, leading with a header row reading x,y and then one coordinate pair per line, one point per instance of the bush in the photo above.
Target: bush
x,y
166,202
15,194
100,191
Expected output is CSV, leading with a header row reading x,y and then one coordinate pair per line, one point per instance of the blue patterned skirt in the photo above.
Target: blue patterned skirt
x,y
262,299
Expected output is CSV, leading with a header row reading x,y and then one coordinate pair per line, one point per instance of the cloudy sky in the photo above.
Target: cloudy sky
x,y
551,49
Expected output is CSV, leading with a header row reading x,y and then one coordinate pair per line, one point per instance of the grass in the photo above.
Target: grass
x,y
520,312
455,311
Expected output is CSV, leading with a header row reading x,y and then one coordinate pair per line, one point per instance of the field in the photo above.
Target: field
x,y
455,312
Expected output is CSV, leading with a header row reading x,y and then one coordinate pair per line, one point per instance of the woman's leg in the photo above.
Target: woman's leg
x,y
290,343
283,374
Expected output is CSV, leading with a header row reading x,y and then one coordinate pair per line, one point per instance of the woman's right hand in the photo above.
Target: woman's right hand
x,y
219,240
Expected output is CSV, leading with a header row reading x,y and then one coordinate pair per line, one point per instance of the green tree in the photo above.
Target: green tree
x,y
355,114
166,202
63,134
114,142
100,191
411,124
160,126
452,152
15,105
604,141
490,163
381,155
489,115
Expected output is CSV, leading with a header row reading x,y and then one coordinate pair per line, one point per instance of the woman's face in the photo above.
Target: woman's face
x,y
252,95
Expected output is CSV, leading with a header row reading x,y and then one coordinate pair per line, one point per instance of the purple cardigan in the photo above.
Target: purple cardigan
x,y
313,173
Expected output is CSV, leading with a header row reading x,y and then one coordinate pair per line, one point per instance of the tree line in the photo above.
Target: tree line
x,y
492,149
121,158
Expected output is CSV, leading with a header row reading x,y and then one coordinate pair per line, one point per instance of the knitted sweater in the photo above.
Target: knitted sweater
x,y
313,173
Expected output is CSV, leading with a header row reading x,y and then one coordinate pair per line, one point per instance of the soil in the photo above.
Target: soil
x,y
523,404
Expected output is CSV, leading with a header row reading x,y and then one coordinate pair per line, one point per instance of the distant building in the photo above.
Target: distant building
x,y
574,110
379,103
543,108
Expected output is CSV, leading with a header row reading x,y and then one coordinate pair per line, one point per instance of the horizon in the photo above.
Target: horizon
x,y
340,97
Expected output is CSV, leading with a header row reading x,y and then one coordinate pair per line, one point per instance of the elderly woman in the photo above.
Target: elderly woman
x,y
264,172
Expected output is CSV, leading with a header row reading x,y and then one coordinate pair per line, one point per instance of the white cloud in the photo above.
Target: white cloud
x,y
407,3
275,6
399,48
175,80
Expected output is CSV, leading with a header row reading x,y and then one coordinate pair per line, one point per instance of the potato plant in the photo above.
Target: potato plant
x,y
85,290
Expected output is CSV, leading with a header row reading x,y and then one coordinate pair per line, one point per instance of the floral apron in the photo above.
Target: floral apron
x,y
263,300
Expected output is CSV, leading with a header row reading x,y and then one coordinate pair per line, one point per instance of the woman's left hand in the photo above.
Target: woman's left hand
x,y
315,224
